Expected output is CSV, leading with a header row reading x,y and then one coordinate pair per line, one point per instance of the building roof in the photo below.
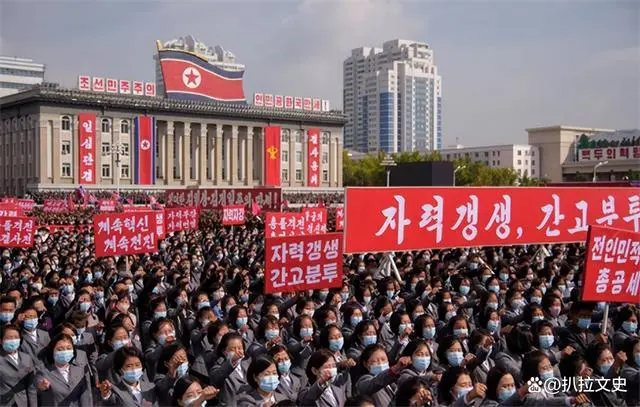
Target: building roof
x,y
560,127
54,94
617,135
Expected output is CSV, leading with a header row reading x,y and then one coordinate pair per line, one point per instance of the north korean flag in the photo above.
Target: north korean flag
x,y
189,77
144,172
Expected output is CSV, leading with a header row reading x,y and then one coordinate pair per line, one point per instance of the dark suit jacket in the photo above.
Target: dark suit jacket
x,y
16,381
77,392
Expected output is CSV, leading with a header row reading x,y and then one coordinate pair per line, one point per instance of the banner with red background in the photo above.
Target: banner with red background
x,y
125,233
233,215
272,156
315,220
269,199
313,157
87,147
16,231
178,219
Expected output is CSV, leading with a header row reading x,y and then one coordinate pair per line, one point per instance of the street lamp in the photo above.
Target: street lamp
x,y
595,169
388,163
117,148
458,168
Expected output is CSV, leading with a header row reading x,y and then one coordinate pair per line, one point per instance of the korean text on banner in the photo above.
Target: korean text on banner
x,y
125,233
399,219
339,217
313,157
55,205
233,214
278,224
612,267
297,263
144,151
160,228
10,209
315,220
178,219
269,199
272,156
107,205
87,147
16,232
26,204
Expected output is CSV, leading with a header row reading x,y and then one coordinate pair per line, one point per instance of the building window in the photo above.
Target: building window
x,y
124,171
124,148
519,162
65,149
533,153
476,155
106,126
493,162
498,153
106,171
124,126
526,162
298,175
325,157
284,136
298,156
285,175
106,149
533,162
285,156
519,152
533,171
66,123
486,154
66,170
325,175
325,138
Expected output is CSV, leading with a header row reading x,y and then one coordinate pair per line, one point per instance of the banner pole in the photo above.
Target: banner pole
x,y
605,319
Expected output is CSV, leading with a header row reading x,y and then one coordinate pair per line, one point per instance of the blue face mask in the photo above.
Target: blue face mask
x,y
284,366
504,394
160,314
355,320
600,306
119,344
455,358
463,391
494,289
183,369
336,344
377,369
369,340
485,278
546,375
630,327
421,363
536,318
6,316
536,300
240,322
98,275
459,333
304,332
30,324
10,345
636,358
429,332
53,300
504,277
62,357
344,296
203,304
132,376
492,306
604,368
270,334
402,328
449,315
391,294
493,325
323,295
85,306
464,289
244,298
545,341
584,323
269,383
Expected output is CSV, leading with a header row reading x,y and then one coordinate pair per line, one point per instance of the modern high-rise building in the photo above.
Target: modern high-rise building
x,y
17,74
393,98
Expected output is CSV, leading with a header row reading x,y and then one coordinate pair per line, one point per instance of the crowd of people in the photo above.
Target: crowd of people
x,y
191,326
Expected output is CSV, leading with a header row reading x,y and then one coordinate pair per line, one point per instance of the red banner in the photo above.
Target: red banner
x,y
10,209
160,227
26,205
399,219
272,156
9,201
298,263
233,215
107,205
87,147
279,224
269,199
144,154
313,157
178,219
612,268
315,220
55,205
339,217
125,233
16,232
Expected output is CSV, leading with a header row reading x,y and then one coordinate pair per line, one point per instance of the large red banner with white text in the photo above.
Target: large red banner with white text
x,y
144,155
178,219
278,224
107,205
398,219
268,199
313,157
87,147
315,220
16,231
612,267
339,217
26,205
297,263
125,233
55,206
233,214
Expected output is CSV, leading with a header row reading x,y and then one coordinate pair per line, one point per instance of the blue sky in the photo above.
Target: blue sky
x,y
506,65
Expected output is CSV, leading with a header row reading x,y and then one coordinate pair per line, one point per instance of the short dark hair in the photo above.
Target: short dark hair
x,y
49,349
530,364
229,336
448,382
166,355
493,378
316,360
257,366
123,354
408,388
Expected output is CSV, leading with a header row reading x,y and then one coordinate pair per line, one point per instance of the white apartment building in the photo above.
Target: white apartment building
x,y
393,98
523,158
17,74
216,55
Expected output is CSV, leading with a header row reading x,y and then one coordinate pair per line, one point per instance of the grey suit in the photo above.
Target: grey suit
x,y
289,389
16,381
254,399
382,388
225,377
510,362
632,376
33,347
316,395
74,393
122,396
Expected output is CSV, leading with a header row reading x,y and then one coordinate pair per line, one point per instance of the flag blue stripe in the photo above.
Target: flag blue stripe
x,y
136,143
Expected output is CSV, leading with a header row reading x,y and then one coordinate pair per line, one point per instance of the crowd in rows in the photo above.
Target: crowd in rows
x,y
191,326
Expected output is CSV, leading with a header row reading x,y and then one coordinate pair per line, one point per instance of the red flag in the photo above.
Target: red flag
x,y
70,202
255,208
272,156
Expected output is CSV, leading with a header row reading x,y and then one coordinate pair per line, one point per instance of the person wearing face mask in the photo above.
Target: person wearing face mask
x,y
514,306
625,324
379,381
544,340
327,387
605,365
163,333
290,383
519,342
239,320
264,381
631,370
364,335
115,337
133,389
402,328
230,371
7,309
456,388
578,333
301,340
502,389
421,365
189,393
552,306
268,336
17,368
34,340
352,315
173,364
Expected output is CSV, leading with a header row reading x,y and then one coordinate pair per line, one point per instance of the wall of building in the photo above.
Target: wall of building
x,y
17,74
522,158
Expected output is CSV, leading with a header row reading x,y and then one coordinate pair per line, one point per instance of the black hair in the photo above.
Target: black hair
x,y
627,347
323,338
519,340
444,346
123,354
166,354
448,382
530,363
408,388
257,366
224,342
493,378
50,347
316,361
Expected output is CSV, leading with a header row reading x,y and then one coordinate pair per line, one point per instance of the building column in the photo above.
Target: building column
x,y
186,152
169,153
161,131
242,157
55,151
42,155
248,180
292,159
339,161
332,162
75,146
202,154
259,154
233,168
218,154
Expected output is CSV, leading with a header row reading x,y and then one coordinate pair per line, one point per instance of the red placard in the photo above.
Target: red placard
x,y
339,217
87,149
269,199
315,220
107,205
297,263
272,155
233,214
612,267
16,232
278,224
399,219
144,138
10,211
55,205
26,205
160,227
313,157
125,233
178,219
9,201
